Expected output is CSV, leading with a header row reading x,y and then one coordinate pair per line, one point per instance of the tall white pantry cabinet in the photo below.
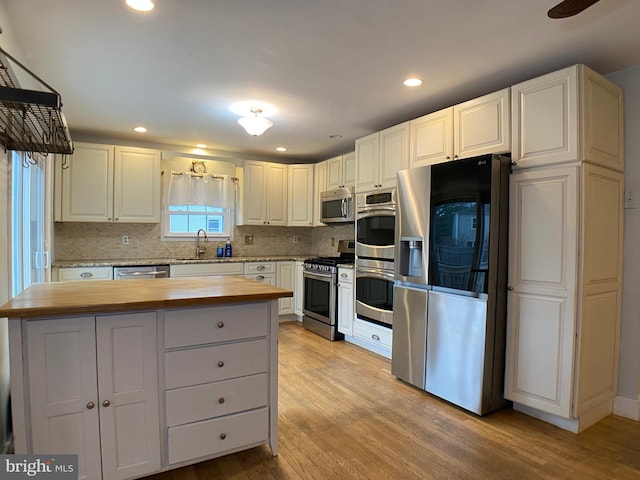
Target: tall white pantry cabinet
x,y
565,247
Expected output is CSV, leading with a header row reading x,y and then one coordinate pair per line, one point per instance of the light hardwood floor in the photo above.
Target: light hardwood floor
x,y
344,416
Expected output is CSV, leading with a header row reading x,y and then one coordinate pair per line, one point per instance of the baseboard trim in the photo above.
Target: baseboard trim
x,y
575,425
627,407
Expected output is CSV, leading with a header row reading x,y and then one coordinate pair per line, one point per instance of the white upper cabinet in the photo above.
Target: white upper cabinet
x,y
380,155
265,193
300,211
472,128
319,186
572,114
341,171
104,183
431,138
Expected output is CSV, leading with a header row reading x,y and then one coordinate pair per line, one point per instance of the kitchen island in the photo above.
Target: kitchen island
x,y
143,376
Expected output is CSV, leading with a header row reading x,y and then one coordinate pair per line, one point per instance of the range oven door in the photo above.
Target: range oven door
x,y
375,233
320,297
374,294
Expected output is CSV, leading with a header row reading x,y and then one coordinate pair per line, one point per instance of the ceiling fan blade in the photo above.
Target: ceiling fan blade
x,y
569,8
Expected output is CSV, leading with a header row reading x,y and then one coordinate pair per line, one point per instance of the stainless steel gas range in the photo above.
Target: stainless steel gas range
x,y
320,306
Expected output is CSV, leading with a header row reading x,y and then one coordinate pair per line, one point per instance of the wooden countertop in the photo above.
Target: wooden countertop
x,y
107,296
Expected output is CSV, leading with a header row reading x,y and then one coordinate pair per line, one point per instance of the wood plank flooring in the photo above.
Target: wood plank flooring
x,y
344,416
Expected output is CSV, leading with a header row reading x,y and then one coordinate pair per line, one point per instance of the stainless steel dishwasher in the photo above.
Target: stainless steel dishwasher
x,y
140,271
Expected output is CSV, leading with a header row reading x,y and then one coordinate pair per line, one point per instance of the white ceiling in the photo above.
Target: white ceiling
x,y
329,66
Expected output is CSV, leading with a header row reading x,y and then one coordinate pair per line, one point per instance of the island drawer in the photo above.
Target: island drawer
x,y
196,326
211,400
200,439
74,274
196,366
206,269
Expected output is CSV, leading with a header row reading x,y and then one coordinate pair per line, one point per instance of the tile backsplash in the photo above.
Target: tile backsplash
x,y
103,241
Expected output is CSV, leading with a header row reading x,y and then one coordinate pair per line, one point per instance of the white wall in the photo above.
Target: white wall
x,y
628,401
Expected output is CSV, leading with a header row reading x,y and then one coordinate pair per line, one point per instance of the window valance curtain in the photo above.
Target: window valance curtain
x,y
188,188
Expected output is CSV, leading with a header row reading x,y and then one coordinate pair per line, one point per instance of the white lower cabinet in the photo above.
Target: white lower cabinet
x,y
74,274
298,291
565,278
285,275
205,269
346,301
373,337
93,384
217,380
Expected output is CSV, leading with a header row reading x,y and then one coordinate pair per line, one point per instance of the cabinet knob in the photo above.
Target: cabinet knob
x,y
220,364
510,288
223,436
106,403
448,157
90,405
220,324
221,400
455,156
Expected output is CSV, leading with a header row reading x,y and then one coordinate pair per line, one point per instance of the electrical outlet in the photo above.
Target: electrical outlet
x,y
333,241
248,239
296,239
125,240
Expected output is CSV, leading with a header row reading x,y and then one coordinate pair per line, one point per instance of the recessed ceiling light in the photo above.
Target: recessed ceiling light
x,y
141,5
412,82
139,129
281,149
201,145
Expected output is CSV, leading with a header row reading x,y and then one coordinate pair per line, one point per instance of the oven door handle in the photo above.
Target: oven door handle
x,y
376,212
374,273
318,276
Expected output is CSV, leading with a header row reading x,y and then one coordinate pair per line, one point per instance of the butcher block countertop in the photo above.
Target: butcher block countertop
x,y
104,296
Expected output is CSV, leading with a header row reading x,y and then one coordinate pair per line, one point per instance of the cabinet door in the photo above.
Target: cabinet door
x,y
349,169
394,154
431,138
319,186
285,279
276,194
345,301
255,192
545,119
136,185
334,173
87,185
367,151
482,125
63,391
543,228
300,211
127,352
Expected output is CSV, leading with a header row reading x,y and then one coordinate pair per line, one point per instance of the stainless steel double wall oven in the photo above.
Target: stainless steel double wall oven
x,y
375,250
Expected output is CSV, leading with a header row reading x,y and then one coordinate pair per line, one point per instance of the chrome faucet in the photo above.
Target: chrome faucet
x,y
200,250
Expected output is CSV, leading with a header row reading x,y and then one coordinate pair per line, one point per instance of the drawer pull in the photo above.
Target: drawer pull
x,y
260,277
260,267
220,324
86,274
223,436
106,403
344,275
91,405
221,400
375,337
221,364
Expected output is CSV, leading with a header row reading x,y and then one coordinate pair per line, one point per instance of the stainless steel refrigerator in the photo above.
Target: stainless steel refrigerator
x,y
450,280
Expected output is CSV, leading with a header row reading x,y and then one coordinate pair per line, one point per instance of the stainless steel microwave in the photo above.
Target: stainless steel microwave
x,y
337,206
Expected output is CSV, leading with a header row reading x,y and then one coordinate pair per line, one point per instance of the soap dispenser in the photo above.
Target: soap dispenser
x,y
227,248
220,250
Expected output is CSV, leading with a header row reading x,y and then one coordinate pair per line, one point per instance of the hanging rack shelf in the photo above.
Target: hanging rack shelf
x,y
30,120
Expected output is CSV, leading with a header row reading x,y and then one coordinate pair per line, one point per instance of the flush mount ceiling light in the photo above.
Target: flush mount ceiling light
x,y
201,145
281,149
140,5
139,129
412,82
255,124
